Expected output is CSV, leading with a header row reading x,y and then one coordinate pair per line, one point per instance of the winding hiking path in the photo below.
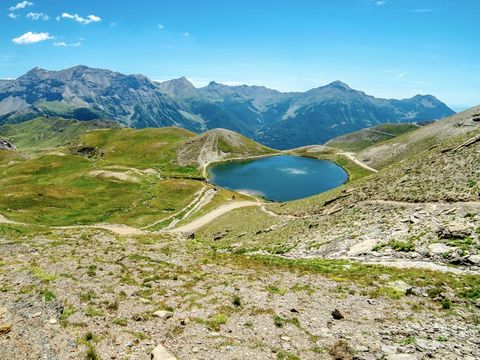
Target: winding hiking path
x,y
212,215
351,156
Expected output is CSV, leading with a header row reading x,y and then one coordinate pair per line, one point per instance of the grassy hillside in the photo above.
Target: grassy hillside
x,y
217,145
49,133
144,148
364,138
120,175
409,144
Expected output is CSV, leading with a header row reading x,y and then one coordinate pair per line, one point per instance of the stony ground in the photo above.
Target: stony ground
x,y
88,294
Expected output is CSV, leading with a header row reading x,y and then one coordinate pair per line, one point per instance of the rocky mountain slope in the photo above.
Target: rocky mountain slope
x,y
84,93
276,119
288,120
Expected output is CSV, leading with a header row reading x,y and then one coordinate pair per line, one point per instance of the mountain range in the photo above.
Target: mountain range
x,y
277,119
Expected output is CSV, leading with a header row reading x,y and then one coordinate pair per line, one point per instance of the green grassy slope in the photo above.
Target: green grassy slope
x,y
49,133
145,148
123,176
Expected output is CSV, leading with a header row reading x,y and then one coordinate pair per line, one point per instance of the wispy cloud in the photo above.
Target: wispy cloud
x,y
161,27
420,11
64,44
75,17
37,16
402,74
20,5
12,16
186,34
31,38
380,2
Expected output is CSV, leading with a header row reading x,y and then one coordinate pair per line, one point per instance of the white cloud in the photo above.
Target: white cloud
x,y
186,34
31,38
64,44
21,5
12,16
37,16
402,74
85,21
161,27
380,2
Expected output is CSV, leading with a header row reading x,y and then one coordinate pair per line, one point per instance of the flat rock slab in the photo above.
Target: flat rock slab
x,y
160,353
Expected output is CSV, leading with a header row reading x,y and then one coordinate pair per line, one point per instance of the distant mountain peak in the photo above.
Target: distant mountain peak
x,y
339,84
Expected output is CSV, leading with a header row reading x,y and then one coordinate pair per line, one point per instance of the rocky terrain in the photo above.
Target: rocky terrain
x,y
90,294
275,119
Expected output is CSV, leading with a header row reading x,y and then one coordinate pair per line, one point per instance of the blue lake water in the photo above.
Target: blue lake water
x,y
279,178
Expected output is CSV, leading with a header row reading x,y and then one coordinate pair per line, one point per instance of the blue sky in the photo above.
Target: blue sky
x,y
388,48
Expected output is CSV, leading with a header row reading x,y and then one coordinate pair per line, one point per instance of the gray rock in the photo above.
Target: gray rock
x,y
401,286
162,314
439,248
7,145
454,231
361,348
160,353
429,345
474,259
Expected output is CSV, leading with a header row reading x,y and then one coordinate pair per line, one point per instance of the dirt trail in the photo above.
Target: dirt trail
x,y
197,198
405,264
202,201
115,228
212,215
352,157
4,220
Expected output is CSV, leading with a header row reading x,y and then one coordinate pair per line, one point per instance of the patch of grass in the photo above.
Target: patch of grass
x,y
446,304
48,295
237,301
286,355
410,340
279,321
120,321
42,275
273,289
94,312
215,322
92,354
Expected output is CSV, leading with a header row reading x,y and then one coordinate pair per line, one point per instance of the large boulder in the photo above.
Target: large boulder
x,y
7,145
